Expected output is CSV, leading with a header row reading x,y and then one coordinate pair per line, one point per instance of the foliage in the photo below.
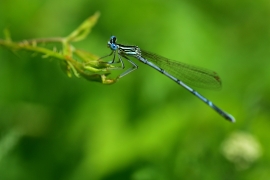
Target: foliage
x,y
87,66
144,126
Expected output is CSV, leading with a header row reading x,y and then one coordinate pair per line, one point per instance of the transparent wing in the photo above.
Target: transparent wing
x,y
191,75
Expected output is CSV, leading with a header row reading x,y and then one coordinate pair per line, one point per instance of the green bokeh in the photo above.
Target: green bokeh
x,y
145,126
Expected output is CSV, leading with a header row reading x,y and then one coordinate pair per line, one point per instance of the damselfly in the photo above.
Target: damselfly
x,y
179,72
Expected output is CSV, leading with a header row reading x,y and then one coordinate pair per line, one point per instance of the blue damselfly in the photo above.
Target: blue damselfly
x,y
179,72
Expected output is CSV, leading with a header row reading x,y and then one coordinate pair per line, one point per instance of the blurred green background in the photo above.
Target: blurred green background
x,y
144,127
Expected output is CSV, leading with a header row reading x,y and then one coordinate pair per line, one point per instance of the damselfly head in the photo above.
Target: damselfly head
x,y
112,43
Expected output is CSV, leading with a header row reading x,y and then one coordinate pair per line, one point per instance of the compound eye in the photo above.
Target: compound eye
x,y
113,46
113,39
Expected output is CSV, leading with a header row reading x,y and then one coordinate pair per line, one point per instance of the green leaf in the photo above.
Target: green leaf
x,y
84,29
